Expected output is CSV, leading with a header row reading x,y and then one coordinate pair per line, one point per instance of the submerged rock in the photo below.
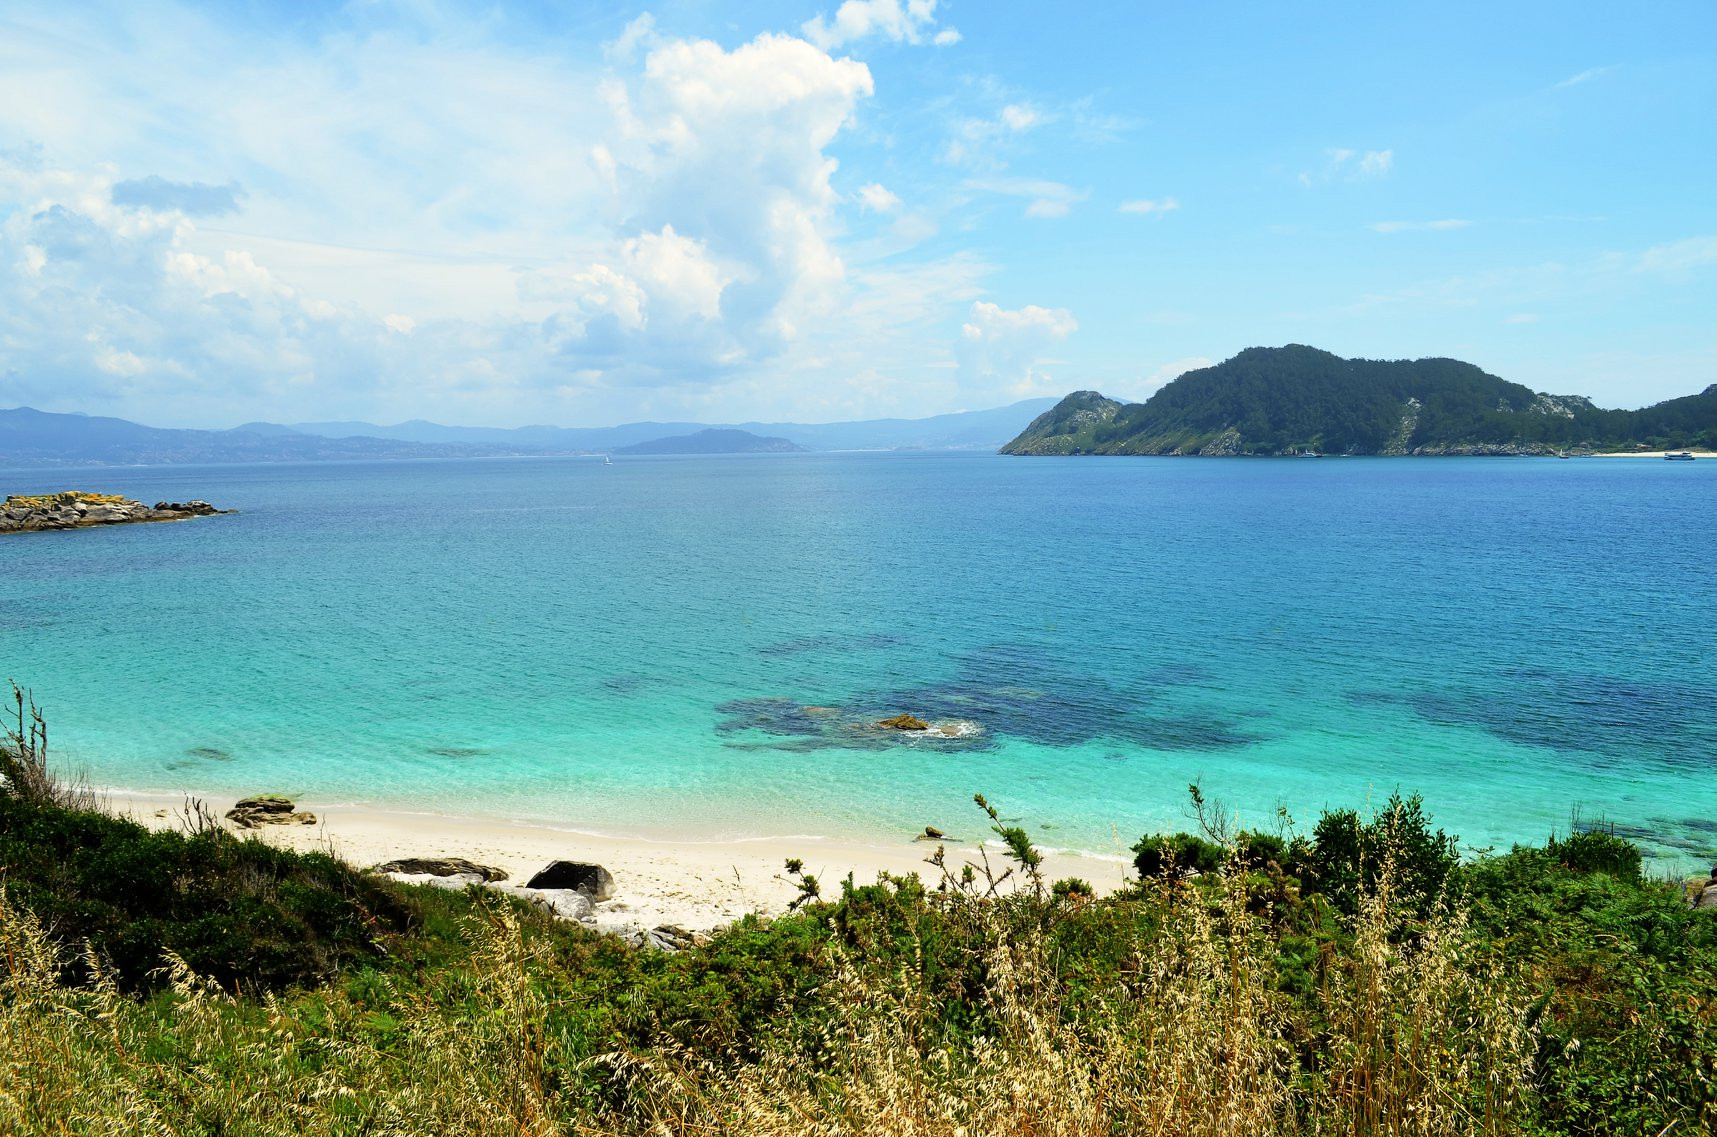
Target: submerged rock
x,y
267,809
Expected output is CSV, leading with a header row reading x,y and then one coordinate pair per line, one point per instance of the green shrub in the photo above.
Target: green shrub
x,y
1597,851
239,912
1155,854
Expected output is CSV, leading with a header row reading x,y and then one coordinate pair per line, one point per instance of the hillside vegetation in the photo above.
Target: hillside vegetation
x,y
1357,979
1297,399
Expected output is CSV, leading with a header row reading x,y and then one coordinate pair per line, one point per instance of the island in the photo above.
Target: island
x,y
1300,401
715,441
75,509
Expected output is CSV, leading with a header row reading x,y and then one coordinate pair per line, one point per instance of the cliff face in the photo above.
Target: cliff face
x,y
74,509
1069,427
1299,400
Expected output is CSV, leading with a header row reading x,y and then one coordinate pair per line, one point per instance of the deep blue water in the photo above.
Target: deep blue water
x,y
671,645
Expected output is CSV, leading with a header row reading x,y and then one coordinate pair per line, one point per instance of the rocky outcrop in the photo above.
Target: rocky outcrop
x,y
904,722
467,872
594,881
664,937
74,509
267,809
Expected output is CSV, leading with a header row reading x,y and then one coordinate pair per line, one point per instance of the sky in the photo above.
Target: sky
x,y
582,214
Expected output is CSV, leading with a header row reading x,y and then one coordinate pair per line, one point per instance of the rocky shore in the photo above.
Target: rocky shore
x,y
74,509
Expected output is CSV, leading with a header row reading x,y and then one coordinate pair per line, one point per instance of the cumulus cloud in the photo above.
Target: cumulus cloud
x,y
878,198
698,177
1000,349
1149,207
855,20
1438,226
194,199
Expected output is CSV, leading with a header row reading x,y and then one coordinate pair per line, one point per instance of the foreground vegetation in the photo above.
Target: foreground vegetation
x,y
1357,979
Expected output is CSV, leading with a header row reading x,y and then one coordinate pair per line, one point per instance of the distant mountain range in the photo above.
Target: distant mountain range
x,y
39,438
1299,400
715,441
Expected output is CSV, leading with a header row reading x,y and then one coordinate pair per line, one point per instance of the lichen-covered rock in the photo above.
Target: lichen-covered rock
x,y
267,809
74,509
458,867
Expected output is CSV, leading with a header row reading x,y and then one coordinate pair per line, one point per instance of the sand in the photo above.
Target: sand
x,y
696,883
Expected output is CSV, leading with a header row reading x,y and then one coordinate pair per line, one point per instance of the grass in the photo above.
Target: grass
x,y
1546,990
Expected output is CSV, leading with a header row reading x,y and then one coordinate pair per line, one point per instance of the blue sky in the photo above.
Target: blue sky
x,y
505,214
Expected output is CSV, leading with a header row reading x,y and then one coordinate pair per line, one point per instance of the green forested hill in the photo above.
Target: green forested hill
x,y
1297,399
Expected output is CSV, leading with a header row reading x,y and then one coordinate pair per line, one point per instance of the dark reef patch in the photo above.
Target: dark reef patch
x,y
1007,690
210,753
1594,714
771,715
829,643
455,751
626,684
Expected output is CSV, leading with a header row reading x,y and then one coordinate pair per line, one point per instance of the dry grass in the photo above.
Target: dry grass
x,y
1413,1035
24,768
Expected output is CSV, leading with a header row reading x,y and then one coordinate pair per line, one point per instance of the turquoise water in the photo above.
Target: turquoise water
x,y
632,648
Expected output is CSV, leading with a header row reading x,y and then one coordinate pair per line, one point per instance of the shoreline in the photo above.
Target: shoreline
x,y
1648,454
697,883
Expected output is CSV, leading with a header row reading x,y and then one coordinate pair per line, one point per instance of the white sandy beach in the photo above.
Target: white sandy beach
x,y
695,883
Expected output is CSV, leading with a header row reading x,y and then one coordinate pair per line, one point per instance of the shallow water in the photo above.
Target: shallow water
x,y
677,644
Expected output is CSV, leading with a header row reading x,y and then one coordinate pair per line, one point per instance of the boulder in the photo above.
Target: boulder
x,y
562,903
267,809
904,722
1708,898
469,871
931,833
594,881
664,937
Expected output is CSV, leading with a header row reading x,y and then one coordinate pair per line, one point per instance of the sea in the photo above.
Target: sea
x,y
694,648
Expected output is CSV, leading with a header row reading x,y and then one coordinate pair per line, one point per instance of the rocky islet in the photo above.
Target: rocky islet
x,y
76,509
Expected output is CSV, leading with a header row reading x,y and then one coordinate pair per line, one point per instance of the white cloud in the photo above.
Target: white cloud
x,y
878,198
1049,199
1149,207
1344,164
1583,77
1000,349
1418,226
1375,163
1678,258
1522,318
420,237
975,140
898,22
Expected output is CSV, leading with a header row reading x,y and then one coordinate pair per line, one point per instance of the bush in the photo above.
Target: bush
x,y
1155,854
239,912
1597,851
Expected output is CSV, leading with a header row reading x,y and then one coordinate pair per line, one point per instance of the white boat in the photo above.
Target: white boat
x,y
1684,456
